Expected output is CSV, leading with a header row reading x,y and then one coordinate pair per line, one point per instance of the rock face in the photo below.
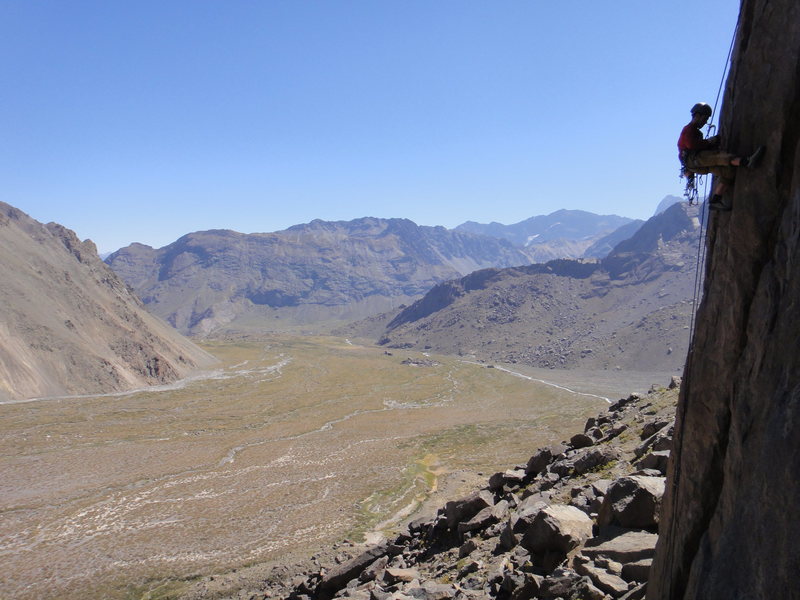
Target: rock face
x,y
730,527
308,273
631,309
69,325
562,234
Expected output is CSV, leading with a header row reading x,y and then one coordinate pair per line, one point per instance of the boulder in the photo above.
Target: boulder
x,y
600,486
602,579
431,590
374,570
633,502
661,440
488,516
543,457
656,460
584,460
530,505
338,576
496,481
467,548
638,571
652,427
636,593
621,545
559,584
392,576
557,528
581,440
464,509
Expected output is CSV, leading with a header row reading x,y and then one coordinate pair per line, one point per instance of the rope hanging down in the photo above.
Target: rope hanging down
x,y
698,283
691,183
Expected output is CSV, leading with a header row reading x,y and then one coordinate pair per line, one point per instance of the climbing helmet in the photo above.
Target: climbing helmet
x,y
702,108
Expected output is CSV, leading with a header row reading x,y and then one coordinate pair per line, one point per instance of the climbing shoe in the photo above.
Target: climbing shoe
x,y
751,162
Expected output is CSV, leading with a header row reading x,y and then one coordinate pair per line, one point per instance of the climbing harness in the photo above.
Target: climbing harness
x,y
694,181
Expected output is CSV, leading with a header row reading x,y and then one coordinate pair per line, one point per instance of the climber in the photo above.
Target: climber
x,y
701,156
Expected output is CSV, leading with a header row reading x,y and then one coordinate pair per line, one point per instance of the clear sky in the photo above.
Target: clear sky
x,y
144,120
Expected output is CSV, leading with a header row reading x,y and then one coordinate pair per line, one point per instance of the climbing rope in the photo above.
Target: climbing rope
x,y
692,187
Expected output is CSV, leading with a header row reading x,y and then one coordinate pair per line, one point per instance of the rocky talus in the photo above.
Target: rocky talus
x,y
579,520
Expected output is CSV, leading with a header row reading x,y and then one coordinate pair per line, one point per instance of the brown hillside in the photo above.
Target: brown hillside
x,y
69,325
212,281
631,310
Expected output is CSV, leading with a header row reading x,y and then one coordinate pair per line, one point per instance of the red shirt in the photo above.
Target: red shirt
x,y
692,139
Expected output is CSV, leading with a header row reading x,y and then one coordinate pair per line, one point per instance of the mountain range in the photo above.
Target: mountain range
x,y
629,310
324,272
561,234
70,325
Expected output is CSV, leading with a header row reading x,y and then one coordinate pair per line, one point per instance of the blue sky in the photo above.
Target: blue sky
x,y
144,120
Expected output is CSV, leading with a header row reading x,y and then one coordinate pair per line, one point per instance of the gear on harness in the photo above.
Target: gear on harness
x,y
690,192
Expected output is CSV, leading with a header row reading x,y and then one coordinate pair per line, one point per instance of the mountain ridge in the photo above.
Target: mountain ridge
x,y
308,272
70,325
587,314
564,233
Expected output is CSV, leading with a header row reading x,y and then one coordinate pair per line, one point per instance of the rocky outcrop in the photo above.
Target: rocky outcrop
x,y
69,325
630,310
535,531
729,526
210,280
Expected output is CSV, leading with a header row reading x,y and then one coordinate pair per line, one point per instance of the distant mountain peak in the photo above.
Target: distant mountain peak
x,y
564,233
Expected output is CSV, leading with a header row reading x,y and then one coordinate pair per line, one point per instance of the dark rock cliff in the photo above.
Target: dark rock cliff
x,y
730,526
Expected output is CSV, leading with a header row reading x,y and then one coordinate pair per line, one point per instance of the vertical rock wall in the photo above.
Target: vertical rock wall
x,y
730,527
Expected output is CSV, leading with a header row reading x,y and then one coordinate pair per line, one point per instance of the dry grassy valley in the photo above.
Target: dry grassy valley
x,y
291,444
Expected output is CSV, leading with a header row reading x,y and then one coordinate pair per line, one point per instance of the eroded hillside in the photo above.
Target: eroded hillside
x,y
322,271
630,310
69,325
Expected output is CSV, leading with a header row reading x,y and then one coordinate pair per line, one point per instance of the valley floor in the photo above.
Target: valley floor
x,y
293,444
